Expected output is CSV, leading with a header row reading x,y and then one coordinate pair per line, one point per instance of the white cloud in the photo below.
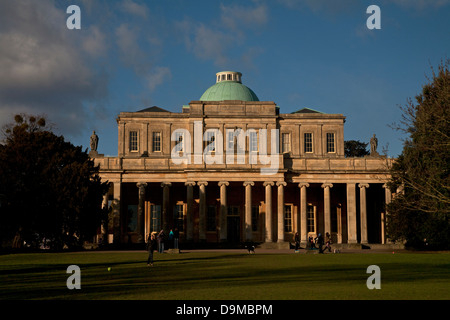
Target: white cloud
x,y
158,76
134,8
94,43
219,41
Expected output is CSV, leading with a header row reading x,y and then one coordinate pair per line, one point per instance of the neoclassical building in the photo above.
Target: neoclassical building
x,y
230,168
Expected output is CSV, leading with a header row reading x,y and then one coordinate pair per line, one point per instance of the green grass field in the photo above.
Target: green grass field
x,y
225,276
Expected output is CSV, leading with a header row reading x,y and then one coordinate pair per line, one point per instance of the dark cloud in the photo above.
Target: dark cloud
x,y
46,68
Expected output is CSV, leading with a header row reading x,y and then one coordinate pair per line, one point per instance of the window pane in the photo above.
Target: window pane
x,y
178,217
330,142
179,147
310,212
156,141
211,219
255,216
287,219
253,141
308,142
155,222
210,141
133,141
286,142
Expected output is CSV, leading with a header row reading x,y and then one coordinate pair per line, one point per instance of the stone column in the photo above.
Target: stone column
x,y
141,213
268,224
223,210
280,211
104,226
116,205
165,207
326,207
189,210
351,213
303,214
363,211
388,199
248,209
202,210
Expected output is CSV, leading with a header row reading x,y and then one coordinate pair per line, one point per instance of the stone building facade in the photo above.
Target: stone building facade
x,y
230,168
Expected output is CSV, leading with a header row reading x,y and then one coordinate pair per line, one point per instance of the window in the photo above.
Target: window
x,y
253,141
155,218
211,219
178,217
285,142
330,143
287,218
156,142
311,218
133,141
179,138
233,211
308,142
334,218
255,216
210,141
235,140
132,218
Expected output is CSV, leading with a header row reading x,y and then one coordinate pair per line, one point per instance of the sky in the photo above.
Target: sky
x,y
130,54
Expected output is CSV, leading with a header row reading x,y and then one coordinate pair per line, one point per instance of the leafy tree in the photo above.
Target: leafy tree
x,y
50,188
355,148
420,213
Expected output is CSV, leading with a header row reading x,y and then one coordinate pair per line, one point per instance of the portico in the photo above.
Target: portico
x,y
280,174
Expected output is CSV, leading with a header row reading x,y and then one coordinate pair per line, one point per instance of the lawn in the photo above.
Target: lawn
x,y
224,276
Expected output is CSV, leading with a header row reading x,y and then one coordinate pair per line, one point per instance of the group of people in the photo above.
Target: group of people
x,y
157,241
319,241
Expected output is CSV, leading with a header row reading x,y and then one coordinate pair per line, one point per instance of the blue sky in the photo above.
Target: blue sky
x,y
132,54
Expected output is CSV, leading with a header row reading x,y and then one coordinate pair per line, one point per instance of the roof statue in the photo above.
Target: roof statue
x,y
373,146
94,145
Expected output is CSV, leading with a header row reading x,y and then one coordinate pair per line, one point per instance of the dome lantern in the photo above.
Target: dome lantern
x,y
228,86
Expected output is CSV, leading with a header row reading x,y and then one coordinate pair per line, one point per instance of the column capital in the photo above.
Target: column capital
x,y
189,183
202,183
223,183
363,185
303,184
385,186
268,183
248,183
327,185
141,185
281,183
166,184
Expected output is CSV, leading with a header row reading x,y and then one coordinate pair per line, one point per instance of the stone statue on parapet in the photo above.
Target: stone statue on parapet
x,y
94,145
94,141
373,146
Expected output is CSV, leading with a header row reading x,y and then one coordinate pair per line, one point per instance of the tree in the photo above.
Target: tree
x,y
51,189
355,148
420,213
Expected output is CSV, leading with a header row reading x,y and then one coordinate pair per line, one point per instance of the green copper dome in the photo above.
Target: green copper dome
x,y
228,87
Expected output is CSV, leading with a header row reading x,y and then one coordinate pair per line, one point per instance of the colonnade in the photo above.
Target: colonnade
x,y
268,221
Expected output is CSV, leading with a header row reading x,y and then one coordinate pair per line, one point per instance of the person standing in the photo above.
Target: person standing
x,y
161,238
297,241
171,239
327,242
176,236
151,246
320,242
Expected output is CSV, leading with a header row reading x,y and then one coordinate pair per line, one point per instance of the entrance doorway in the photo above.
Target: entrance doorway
x,y
233,225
